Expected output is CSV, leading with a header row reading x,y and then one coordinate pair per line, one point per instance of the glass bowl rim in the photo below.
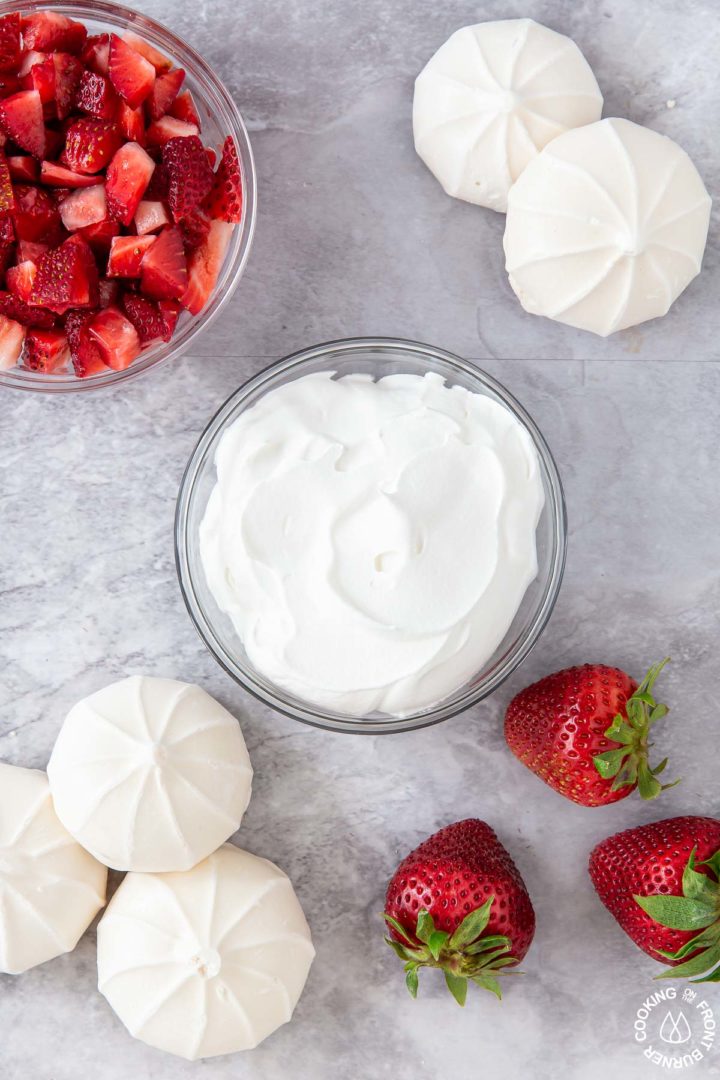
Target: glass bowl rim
x,y
240,242
308,713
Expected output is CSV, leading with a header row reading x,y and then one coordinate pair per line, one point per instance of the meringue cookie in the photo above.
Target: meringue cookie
x,y
205,962
150,774
606,227
491,97
50,889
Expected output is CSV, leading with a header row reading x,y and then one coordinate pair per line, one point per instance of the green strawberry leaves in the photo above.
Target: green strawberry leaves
x,y
627,765
466,956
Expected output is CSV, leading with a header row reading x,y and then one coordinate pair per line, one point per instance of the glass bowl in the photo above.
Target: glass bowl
x,y
220,117
379,357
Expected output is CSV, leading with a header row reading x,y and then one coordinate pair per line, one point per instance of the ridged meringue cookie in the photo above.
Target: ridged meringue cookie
x,y
606,227
150,774
206,962
491,97
50,888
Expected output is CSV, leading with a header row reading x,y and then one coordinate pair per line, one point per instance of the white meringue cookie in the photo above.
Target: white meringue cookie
x,y
50,889
205,962
491,97
606,227
150,774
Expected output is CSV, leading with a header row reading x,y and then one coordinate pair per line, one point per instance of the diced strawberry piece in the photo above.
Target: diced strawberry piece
x,y
41,77
68,73
23,168
100,236
54,142
211,156
170,311
116,337
126,181
86,206
54,175
158,60
164,267
225,199
20,279
159,184
35,215
9,84
195,228
46,350
130,73
184,108
126,255
58,196
85,354
67,277
21,118
95,96
90,145
12,307
164,92
147,318
29,60
10,47
150,216
30,249
7,196
12,339
108,292
131,122
160,131
189,173
204,266
7,231
52,32
96,54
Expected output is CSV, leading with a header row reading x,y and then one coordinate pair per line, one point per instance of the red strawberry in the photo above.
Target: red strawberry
x,y
164,268
30,249
170,311
66,277
12,339
54,175
204,266
46,350
54,142
184,108
159,184
86,206
148,319
85,354
41,77
126,255
584,731
48,31
91,144
127,178
68,72
96,97
100,236
159,61
21,117
131,123
225,199
116,338
23,168
195,228
7,196
12,307
35,216
130,73
164,92
20,280
161,131
150,216
10,48
661,882
189,174
9,84
109,293
96,54
457,902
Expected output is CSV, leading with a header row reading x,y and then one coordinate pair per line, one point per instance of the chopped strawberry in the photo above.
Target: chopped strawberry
x,y
158,60
96,54
54,175
41,77
51,32
20,279
100,236
204,266
189,173
12,339
131,122
46,350
7,231
164,92
126,255
68,73
126,181
170,311
30,249
90,145
54,142
225,199
159,184
85,354
130,73
67,277
23,167
116,337
12,307
86,206
211,156
29,60
9,84
35,216
184,108
147,318
21,117
10,48
108,292
164,267
7,197
160,131
195,228
150,216
95,96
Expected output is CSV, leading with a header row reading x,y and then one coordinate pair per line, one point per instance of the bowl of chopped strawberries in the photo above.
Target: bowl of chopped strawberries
x,y
127,195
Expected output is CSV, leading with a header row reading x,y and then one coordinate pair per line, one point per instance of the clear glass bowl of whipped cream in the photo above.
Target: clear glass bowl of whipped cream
x,y
370,535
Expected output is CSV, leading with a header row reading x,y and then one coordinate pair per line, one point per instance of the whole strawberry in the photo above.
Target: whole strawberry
x,y
662,884
585,731
458,903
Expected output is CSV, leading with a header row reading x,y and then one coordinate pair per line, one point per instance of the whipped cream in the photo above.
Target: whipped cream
x,y
372,541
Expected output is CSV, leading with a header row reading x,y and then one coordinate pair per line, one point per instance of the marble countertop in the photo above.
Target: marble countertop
x,y
355,237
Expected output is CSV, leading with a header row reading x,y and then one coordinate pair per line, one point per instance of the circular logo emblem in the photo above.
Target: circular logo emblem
x,y
675,1027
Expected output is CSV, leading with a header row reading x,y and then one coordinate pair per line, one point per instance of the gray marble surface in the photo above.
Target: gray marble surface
x,y
354,236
